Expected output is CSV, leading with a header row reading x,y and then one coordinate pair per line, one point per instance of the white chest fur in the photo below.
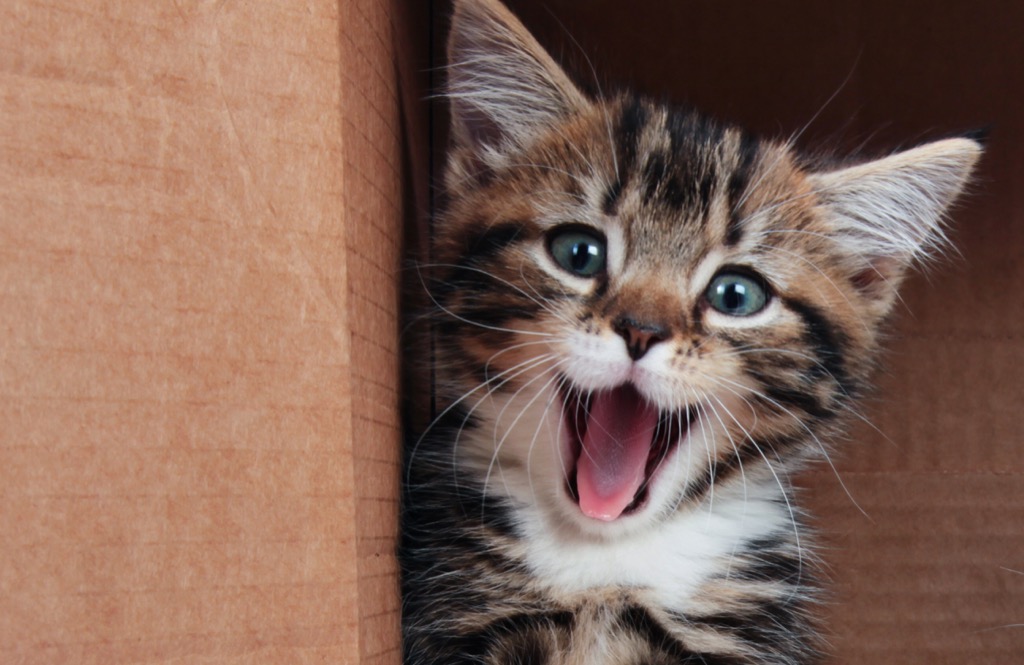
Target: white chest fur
x,y
670,561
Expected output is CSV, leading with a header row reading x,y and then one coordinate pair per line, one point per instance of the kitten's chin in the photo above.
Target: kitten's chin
x,y
616,445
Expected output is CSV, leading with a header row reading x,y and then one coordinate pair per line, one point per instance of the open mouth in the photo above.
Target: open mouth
x,y
617,440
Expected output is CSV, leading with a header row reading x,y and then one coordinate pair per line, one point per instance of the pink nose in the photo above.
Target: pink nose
x,y
639,336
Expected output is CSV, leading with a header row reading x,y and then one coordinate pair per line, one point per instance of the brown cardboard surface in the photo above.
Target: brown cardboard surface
x,y
932,570
200,224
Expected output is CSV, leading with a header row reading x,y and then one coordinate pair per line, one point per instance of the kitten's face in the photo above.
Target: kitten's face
x,y
640,306
657,284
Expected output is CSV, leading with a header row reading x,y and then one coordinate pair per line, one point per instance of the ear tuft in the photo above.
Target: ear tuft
x,y
889,212
502,85
980,135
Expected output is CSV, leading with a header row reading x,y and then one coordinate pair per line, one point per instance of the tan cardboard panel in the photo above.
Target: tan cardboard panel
x,y
200,208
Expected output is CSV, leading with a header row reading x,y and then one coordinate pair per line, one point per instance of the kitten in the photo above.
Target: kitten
x,y
647,322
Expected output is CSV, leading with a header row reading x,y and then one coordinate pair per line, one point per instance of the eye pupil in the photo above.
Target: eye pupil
x,y
734,296
582,254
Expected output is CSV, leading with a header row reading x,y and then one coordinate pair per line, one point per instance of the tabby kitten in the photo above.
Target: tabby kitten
x,y
647,322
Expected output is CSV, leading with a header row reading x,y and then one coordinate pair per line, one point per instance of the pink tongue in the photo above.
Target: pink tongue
x,y
615,451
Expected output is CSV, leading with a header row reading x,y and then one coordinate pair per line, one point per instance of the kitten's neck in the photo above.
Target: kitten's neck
x,y
670,561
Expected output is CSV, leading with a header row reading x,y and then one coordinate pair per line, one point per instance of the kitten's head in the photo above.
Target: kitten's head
x,y
639,303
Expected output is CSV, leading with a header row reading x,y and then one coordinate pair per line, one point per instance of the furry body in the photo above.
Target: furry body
x,y
530,533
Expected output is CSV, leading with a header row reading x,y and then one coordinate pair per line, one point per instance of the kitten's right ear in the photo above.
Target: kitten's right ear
x,y
888,213
503,86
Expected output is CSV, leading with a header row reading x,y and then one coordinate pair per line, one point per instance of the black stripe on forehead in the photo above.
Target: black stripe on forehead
x,y
695,142
611,197
739,180
684,176
632,121
690,132
633,118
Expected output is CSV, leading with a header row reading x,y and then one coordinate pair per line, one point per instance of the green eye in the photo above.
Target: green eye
x,y
737,294
580,252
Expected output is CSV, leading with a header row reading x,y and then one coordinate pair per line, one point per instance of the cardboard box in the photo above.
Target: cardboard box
x,y
204,208
201,231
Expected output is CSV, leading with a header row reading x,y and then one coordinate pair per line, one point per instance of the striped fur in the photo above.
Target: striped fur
x,y
710,563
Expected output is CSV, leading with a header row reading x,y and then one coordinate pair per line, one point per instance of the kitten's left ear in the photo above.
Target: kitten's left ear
x,y
503,87
888,213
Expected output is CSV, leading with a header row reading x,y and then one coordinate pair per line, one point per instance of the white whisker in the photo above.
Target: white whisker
x,y
511,426
814,437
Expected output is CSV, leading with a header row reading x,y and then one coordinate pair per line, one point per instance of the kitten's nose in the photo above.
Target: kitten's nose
x,y
639,335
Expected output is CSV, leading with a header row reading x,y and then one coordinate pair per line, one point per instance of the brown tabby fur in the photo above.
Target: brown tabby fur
x,y
683,193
